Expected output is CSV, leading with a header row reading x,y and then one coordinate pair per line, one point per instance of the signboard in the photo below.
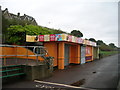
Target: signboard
x,y
64,37
95,44
41,38
69,38
88,42
88,58
58,37
52,37
88,50
85,42
30,38
74,39
79,40
46,37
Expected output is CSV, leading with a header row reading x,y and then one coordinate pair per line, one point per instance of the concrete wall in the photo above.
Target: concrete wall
x,y
38,72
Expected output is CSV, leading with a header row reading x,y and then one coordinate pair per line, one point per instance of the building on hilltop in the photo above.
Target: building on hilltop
x,y
25,17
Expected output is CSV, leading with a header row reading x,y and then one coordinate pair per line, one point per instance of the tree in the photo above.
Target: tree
x,y
16,35
105,47
6,23
76,33
112,45
99,42
92,39
86,39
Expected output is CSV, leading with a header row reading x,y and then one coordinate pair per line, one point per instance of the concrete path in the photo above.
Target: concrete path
x,y
97,74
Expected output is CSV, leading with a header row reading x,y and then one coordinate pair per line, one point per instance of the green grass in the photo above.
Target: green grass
x,y
107,53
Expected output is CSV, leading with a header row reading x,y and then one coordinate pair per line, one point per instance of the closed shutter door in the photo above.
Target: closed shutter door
x,y
82,54
66,54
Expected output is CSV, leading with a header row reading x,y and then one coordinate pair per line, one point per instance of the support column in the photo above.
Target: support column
x,y
61,55
92,53
77,54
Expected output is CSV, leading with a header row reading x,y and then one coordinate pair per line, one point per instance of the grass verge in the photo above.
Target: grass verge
x,y
107,53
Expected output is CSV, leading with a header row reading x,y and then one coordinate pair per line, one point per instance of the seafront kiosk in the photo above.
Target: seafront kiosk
x,y
67,49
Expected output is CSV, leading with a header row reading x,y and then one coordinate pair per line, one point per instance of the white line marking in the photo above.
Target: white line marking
x,y
62,85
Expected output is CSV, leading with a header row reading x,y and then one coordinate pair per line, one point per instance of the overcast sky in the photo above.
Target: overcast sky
x,y
94,18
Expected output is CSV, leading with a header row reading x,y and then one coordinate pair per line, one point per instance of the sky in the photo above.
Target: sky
x,y
94,18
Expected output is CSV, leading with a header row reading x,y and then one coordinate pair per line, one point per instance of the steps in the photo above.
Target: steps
x,y
12,70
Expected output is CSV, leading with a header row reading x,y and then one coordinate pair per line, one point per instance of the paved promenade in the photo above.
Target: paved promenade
x,y
97,74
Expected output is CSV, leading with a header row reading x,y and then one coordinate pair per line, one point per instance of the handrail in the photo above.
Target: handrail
x,y
41,47
23,55
33,52
19,46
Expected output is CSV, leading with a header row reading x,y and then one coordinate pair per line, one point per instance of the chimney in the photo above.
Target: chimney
x,y
18,14
6,9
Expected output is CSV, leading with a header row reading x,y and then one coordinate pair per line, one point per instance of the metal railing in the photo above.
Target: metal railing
x,y
38,51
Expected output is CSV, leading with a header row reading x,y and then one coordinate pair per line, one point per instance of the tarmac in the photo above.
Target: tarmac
x,y
98,74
